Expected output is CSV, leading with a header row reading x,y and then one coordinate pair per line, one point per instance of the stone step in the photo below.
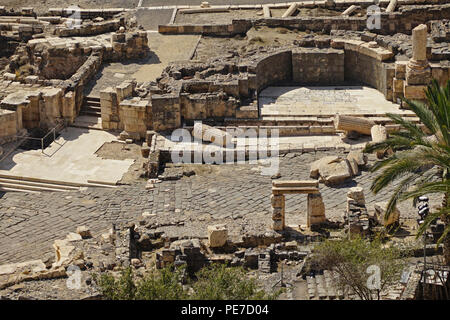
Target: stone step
x,y
48,184
92,99
6,189
321,288
311,282
88,107
7,181
19,186
90,113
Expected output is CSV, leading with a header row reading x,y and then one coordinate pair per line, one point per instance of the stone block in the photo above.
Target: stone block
x,y
415,92
397,85
380,212
217,235
84,232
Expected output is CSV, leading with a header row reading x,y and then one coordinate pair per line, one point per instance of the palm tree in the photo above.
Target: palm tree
x,y
419,158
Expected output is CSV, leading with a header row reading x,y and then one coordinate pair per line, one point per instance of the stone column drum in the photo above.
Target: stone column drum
x,y
418,71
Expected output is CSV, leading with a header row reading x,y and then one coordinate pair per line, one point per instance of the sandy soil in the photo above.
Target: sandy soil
x,y
120,151
41,7
256,37
227,17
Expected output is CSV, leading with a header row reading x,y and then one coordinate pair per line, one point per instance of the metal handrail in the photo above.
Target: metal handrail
x,y
53,130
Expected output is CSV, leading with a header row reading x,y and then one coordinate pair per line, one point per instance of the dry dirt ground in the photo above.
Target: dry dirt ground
x,y
121,151
42,7
226,17
258,37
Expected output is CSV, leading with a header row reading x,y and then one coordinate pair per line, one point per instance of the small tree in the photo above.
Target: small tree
x,y
351,260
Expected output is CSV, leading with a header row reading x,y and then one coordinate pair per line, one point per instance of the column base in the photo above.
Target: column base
x,y
418,74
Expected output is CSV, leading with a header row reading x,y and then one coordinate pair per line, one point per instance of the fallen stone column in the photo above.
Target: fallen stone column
x,y
290,11
211,134
357,124
266,10
349,10
392,5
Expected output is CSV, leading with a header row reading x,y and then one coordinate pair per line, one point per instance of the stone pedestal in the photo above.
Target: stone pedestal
x,y
316,209
418,70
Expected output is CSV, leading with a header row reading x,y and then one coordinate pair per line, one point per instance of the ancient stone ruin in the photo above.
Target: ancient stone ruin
x,y
150,136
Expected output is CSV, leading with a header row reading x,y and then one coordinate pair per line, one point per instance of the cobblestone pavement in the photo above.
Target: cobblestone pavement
x,y
236,194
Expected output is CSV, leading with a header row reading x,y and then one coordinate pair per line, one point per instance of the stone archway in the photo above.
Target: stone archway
x,y
315,205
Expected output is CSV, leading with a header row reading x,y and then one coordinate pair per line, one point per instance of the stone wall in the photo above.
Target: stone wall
x,y
89,29
215,96
271,69
403,20
318,66
166,112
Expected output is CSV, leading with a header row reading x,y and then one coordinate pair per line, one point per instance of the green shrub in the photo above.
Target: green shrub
x,y
219,282
216,282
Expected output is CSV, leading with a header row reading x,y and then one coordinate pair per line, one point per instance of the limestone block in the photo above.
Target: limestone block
x,y
353,166
52,103
84,232
419,35
295,183
380,212
391,6
211,134
400,69
357,195
28,266
416,92
397,85
68,106
124,90
9,76
291,10
63,252
350,10
315,166
332,170
358,156
378,133
266,11
72,236
315,209
278,225
277,201
350,123
277,213
418,76
217,235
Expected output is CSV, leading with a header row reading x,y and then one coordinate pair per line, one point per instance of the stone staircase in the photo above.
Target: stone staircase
x,y
91,107
9,183
320,287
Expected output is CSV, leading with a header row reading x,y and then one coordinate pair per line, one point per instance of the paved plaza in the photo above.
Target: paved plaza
x,y
236,194
325,101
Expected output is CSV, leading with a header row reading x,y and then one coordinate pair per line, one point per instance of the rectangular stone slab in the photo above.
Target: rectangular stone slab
x,y
295,183
294,190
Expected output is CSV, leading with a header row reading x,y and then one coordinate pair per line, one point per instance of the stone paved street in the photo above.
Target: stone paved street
x,y
236,194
